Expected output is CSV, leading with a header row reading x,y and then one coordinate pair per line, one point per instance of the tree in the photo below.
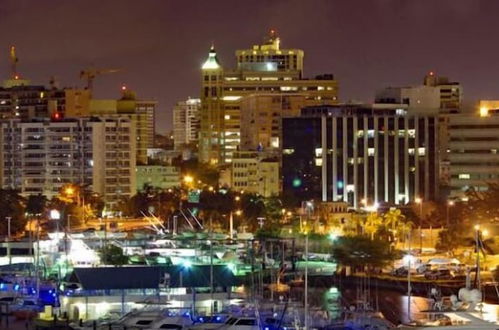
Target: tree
x,y
113,255
360,251
372,224
36,204
12,205
456,235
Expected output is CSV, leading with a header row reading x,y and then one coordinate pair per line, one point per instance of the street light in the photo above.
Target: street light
x,y
419,201
449,204
188,179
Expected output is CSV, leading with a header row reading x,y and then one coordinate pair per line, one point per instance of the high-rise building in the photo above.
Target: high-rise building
x,y
261,119
186,123
141,111
360,153
41,156
437,96
30,101
473,149
265,69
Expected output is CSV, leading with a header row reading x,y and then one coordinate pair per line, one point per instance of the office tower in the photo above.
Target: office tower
x,y
265,68
261,119
437,96
473,149
357,153
41,156
186,123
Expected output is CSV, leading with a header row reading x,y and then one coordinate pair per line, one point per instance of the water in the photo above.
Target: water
x,y
392,304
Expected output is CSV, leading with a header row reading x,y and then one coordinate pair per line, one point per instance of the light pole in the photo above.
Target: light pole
x,y
419,201
8,227
449,204
68,224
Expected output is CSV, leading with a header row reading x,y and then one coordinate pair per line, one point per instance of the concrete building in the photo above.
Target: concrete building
x,y
419,99
140,111
186,123
28,101
157,176
437,96
261,119
41,156
254,173
451,92
265,69
353,152
473,149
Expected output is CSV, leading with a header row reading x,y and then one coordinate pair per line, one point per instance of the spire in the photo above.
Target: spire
x,y
211,62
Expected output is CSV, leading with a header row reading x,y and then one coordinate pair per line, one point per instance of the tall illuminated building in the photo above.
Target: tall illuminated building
x,y
186,122
263,69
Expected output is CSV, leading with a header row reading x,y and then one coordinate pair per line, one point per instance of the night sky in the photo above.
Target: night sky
x,y
160,45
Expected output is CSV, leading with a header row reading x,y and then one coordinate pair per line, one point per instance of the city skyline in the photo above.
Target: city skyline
x,y
161,45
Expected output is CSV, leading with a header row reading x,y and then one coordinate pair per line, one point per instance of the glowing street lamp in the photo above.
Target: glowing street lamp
x,y
188,179
449,204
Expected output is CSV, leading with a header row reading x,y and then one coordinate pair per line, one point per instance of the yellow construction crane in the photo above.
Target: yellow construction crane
x,y
13,63
90,73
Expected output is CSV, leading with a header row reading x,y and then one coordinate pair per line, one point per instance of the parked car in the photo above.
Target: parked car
x,y
439,274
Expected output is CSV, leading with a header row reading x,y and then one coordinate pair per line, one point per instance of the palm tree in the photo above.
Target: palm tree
x,y
393,220
372,224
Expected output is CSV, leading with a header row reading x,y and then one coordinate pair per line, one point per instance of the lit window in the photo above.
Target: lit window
x,y
318,152
410,151
227,117
288,151
318,162
320,88
464,176
421,151
370,151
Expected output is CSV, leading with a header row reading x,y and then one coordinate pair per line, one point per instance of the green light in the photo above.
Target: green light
x,y
187,264
232,267
296,182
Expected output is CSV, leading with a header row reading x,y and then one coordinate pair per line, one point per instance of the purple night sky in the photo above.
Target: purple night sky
x,y
160,45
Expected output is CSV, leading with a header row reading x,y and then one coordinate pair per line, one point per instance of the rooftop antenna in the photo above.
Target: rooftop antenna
x,y
13,63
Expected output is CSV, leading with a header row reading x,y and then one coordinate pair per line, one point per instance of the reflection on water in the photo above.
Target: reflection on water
x,y
393,305
331,302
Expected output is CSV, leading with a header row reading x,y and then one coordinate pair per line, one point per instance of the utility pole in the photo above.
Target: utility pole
x,y
8,227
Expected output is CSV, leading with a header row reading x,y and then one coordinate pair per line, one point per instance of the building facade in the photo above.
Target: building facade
x,y
186,123
157,176
355,153
41,156
261,119
254,173
265,69
473,151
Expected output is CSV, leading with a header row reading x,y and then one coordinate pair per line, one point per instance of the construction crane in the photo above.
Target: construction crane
x,y
13,63
90,73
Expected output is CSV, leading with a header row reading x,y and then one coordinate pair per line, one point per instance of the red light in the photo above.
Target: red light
x,y
431,73
123,88
57,116
16,77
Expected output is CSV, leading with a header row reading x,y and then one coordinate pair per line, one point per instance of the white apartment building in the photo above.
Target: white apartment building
x,y
186,122
41,156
